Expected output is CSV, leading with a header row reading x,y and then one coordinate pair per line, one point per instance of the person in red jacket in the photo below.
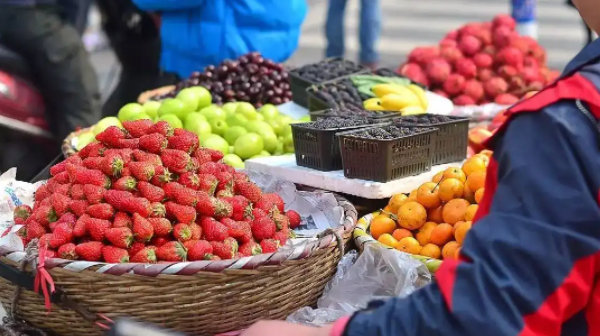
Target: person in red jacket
x,y
531,264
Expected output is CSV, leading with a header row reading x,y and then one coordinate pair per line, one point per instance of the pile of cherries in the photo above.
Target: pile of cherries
x,y
251,78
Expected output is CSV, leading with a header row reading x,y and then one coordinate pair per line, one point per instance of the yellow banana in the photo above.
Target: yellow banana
x,y
373,104
420,93
381,90
412,110
396,102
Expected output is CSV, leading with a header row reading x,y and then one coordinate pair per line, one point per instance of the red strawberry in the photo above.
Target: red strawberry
x,y
281,237
294,218
190,180
151,192
95,177
171,189
135,248
78,207
67,251
251,248
153,143
138,205
258,213
161,226
235,229
62,234
184,140
225,181
274,199
161,127
183,213
200,250
240,206
112,165
96,228
138,128
126,171
240,177
143,171
58,168
213,230
115,255
118,198
142,229
281,221
45,215
101,211
161,176
196,231
42,193
22,211
122,220
129,143
249,190
80,227
202,155
207,183
226,249
45,240
90,251
62,178
145,255
111,136
215,155
159,241
126,154
35,230
158,210
62,189
142,156
176,160
263,228
209,168
214,207
186,196
68,218
269,245
171,251
76,192
125,183
182,232
119,237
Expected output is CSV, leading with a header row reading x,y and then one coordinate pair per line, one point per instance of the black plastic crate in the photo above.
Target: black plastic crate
x,y
318,148
452,136
384,160
298,84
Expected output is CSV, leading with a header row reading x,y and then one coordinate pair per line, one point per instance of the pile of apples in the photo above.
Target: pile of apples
x,y
481,62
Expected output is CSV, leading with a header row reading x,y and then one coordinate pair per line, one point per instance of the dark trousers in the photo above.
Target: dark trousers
x,y
60,64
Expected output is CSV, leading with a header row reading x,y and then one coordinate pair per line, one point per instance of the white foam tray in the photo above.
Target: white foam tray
x,y
284,167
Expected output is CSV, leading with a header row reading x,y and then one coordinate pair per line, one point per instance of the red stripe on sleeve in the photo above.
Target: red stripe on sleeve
x,y
592,313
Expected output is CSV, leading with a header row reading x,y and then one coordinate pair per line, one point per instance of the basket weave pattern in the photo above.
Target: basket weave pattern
x,y
199,298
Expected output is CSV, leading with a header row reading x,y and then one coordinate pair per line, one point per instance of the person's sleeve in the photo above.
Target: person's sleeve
x,y
165,5
529,263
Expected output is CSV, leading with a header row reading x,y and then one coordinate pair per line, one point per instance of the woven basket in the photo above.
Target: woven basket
x,y
67,145
198,298
145,96
362,236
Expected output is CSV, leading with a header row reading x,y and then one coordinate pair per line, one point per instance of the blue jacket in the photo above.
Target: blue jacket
x,y
197,33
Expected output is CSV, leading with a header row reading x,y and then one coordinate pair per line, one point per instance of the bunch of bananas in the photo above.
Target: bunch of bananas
x,y
406,99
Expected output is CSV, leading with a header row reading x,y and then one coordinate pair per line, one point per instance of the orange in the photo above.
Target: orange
x,y
437,177
441,234
461,230
455,210
485,158
479,195
396,201
471,211
449,250
382,224
398,234
387,239
455,172
450,189
469,195
473,164
412,215
387,209
457,224
431,251
457,253
428,225
412,196
435,215
476,180
427,195
487,153
409,245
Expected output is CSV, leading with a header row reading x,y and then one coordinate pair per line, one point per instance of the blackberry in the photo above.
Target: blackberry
x,y
327,70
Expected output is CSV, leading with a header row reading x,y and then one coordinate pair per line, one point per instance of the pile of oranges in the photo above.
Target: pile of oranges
x,y
433,220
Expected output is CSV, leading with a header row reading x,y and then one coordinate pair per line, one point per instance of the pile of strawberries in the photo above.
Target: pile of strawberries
x,y
149,193
481,62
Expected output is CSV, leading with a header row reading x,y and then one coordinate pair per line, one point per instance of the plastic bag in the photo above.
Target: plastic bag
x,y
378,274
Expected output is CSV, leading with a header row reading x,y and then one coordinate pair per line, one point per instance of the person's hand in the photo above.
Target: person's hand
x,y
279,328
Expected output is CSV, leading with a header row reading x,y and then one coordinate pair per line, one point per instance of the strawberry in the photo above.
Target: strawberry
x,y
80,227
294,218
138,128
176,160
186,196
138,205
96,228
142,229
214,207
215,155
62,178
158,210
171,189
135,248
258,213
196,231
95,177
161,176
117,198
143,171
93,149
213,230
150,192
185,141
62,189
202,155
68,217
145,255
235,229
45,240
263,228
249,190
269,201
226,249
224,194
142,156
171,251
250,248
101,211
125,183
161,127
182,232
190,180
281,221
76,192
281,237
183,213
67,251
115,255
78,207
269,245
153,143
111,136
129,143
62,234
22,211
35,230
112,165
239,177
225,181
207,183
90,251
126,171
42,193
159,241
161,226
209,168
58,168
119,237
225,167
122,220
240,206
45,215
124,153
200,250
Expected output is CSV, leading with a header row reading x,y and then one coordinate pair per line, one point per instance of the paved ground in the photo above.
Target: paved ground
x,y
407,24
